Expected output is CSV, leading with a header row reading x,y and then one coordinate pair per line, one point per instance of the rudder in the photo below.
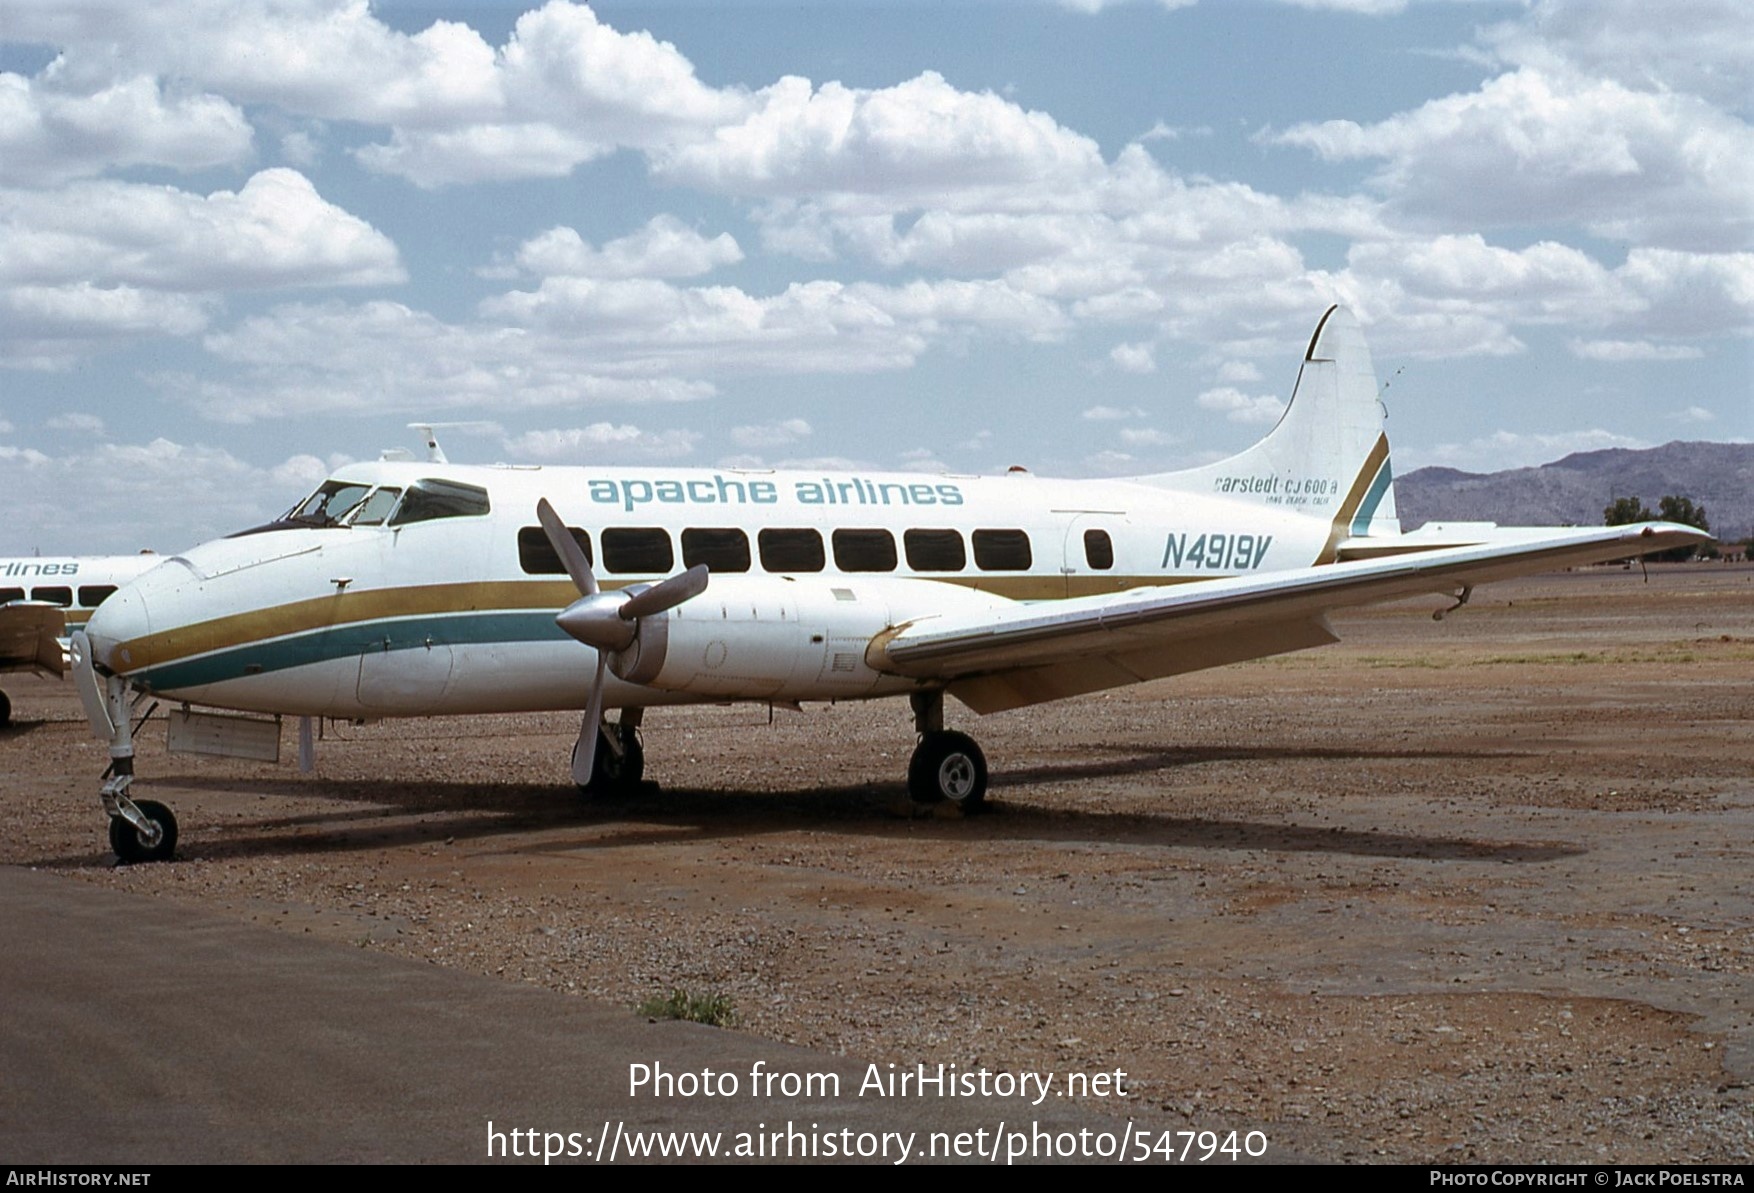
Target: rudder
x,y
1328,455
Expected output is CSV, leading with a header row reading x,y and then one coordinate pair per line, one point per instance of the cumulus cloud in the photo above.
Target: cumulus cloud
x,y
602,443
565,89
922,138
1703,47
770,435
1239,407
300,359
1503,450
819,326
300,148
52,327
274,231
163,495
1646,166
1617,351
50,135
664,248
97,262
1133,358
1373,8
77,422
1147,437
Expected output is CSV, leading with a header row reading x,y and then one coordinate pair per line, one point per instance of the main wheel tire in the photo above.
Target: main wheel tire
x,y
5,711
948,766
126,841
611,774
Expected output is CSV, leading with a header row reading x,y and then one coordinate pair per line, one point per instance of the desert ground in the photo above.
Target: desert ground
x,y
1475,890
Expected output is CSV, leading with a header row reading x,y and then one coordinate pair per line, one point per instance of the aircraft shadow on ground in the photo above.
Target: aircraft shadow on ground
x,y
399,813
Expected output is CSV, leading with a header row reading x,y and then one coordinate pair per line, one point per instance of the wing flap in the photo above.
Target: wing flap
x,y
1045,651
30,637
1019,688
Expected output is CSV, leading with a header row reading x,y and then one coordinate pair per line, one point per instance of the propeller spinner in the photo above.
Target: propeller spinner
x,y
609,622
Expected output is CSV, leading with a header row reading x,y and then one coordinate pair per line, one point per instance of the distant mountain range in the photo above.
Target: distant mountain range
x,y
1576,489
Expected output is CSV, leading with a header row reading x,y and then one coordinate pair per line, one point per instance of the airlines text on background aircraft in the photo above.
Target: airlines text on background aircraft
x,y
403,588
43,599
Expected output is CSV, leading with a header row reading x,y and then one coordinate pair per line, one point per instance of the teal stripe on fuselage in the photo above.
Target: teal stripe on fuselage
x,y
1367,508
351,641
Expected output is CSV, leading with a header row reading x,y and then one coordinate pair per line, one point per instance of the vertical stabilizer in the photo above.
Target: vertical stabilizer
x,y
1328,456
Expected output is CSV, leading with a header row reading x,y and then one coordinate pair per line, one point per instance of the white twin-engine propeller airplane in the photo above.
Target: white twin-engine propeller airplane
x,y
405,588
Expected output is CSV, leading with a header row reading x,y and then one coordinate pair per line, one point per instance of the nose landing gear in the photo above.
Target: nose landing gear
x,y
140,830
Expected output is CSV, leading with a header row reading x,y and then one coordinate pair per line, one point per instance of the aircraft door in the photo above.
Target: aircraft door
x,y
405,664
404,671
1088,554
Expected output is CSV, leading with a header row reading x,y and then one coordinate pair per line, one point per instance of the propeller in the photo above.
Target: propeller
x,y
609,622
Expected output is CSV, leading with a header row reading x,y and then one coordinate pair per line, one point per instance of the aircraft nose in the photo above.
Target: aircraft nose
x,y
119,621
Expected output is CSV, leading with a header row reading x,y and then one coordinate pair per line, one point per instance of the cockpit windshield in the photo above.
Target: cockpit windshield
x,y
331,503
374,509
338,503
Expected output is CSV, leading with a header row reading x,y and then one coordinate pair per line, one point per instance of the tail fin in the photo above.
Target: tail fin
x,y
1328,456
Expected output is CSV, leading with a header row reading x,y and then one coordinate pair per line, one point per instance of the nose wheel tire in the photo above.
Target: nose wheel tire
x,y
948,766
131,845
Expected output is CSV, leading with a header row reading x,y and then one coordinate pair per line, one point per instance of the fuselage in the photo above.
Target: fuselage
x,y
420,588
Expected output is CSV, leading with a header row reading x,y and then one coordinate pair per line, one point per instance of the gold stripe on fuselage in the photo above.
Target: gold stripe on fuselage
x,y
353,608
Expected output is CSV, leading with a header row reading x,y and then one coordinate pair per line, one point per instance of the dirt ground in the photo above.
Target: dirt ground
x,y
1475,890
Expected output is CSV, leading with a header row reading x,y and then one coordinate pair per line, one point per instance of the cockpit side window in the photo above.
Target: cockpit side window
x,y
430,498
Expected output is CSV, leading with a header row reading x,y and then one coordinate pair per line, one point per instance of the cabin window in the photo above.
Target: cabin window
x,y
788,550
721,550
536,555
93,595
1099,550
11,594
56,594
935,550
864,550
430,499
374,509
638,550
1002,551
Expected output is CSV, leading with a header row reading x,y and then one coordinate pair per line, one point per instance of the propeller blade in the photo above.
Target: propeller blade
x,y
666,594
567,547
583,760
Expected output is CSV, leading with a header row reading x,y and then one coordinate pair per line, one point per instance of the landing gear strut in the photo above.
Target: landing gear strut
x,y
140,830
620,762
946,766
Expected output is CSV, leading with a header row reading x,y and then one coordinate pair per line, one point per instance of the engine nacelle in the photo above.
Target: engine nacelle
x,y
801,638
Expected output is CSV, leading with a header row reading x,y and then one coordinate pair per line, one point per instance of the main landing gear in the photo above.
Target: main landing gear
x,y
619,765
946,766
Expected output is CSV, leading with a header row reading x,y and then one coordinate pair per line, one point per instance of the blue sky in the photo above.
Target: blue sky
x,y
242,241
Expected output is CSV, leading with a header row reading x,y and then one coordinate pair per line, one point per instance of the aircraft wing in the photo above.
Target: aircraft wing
x,y
30,637
1064,648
